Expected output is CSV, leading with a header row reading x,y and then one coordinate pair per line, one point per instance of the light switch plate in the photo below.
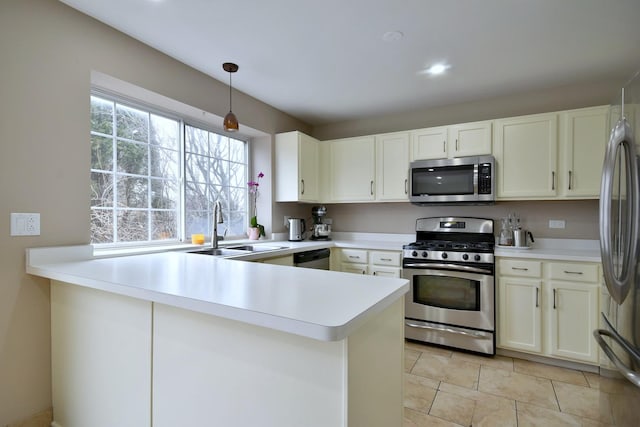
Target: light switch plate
x,y
556,223
25,224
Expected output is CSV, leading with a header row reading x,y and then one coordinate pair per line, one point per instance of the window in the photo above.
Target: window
x,y
139,158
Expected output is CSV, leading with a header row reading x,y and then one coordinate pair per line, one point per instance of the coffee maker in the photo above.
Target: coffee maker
x,y
321,231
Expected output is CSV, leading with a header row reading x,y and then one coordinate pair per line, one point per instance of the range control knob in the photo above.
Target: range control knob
x,y
465,257
414,254
477,257
425,254
445,256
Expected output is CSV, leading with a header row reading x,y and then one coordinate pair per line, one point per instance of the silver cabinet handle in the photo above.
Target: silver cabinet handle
x,y
554,299
457,146
406,186
553,180
354,257
537,297
385,259
302,186
572,272
520,268
444,146
372,188
569,180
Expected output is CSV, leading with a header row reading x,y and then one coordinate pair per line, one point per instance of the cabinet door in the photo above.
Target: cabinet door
x,y
470,139
392,167
308,158
573,316
352,165
354,268
376,270
296,167
526,155
583,140
519,321
430,143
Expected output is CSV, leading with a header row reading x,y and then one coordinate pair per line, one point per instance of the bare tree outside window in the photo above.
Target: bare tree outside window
x,y
136,173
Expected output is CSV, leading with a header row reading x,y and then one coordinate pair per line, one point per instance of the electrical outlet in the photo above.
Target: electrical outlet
x,y
25,224
556,223
286,220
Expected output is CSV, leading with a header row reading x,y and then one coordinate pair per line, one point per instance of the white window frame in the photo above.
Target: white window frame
x,y
183,120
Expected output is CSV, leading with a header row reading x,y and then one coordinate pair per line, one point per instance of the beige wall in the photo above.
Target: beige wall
x,y
48,52
581,216
584,94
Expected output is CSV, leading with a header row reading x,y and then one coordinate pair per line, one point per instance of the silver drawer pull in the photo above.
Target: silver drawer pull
x,y
572,272
354,257
520,268
386,259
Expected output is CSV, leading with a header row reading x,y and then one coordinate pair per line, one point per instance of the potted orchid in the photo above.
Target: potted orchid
x,y
256,230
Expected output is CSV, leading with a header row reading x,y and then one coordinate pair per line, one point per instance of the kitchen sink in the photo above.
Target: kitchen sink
x,y
220,252
257,248
236,250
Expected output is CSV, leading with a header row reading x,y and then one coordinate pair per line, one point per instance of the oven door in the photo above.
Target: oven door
x,y
451,297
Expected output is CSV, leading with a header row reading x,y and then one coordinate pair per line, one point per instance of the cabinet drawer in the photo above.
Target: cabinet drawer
x,y
354,255
385,258
574,272
520,268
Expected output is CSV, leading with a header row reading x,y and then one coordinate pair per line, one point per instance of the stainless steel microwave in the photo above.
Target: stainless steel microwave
x,y
462,180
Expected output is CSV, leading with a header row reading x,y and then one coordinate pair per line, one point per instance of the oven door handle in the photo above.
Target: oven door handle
x,y
453,267
449,329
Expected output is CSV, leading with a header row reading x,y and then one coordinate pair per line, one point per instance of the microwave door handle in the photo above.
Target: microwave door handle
x,y
619,285
627,372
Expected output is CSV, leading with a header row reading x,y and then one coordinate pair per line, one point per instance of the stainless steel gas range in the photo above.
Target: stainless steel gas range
x,y
450,268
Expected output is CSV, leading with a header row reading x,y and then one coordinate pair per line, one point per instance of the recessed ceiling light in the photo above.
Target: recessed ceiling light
x,y
436,69
392,36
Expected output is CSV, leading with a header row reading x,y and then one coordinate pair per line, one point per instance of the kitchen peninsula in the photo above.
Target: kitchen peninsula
x,y
174,338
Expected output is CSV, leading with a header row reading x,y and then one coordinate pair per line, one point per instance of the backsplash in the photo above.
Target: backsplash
x,y
580,216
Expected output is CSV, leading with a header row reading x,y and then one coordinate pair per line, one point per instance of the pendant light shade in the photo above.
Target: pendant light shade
x,y
230,121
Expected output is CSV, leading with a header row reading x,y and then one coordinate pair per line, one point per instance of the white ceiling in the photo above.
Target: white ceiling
x,y
326,61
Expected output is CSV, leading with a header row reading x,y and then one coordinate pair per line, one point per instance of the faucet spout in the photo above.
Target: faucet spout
x,y
217,219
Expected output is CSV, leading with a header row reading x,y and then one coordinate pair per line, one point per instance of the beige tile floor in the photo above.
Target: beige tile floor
x,y
450,388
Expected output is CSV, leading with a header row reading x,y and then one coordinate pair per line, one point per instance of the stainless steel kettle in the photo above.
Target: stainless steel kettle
x,y
296,229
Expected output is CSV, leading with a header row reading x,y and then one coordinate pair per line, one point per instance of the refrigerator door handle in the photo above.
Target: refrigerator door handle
x,y
619,283
628,373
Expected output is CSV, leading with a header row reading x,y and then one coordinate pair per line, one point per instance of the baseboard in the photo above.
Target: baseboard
x,y
41,419
549,360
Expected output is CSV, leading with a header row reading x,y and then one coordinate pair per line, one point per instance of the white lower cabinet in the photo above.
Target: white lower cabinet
x,y
375,263
548,308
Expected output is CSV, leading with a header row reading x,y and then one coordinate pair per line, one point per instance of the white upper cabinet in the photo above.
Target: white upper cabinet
x,y
470,139
430,143
352,166
297,168
466,139
526,150
583,138
392,167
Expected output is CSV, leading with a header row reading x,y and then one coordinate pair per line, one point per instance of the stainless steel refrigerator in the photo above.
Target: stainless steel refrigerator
x,y
619,333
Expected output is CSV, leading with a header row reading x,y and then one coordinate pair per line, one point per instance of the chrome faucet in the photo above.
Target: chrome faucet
x,y
217,219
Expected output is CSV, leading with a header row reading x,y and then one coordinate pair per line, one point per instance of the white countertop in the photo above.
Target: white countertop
x,y
579,250
322,305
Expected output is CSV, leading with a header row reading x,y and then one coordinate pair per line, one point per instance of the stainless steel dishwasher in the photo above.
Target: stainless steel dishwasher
x,y
318,259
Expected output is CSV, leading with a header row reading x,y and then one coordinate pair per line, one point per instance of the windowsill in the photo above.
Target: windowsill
x,y
141,250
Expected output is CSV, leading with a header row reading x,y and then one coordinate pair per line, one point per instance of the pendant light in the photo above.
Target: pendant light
x,y
230,120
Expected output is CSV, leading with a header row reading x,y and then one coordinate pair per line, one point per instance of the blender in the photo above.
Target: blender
x,y
321,231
